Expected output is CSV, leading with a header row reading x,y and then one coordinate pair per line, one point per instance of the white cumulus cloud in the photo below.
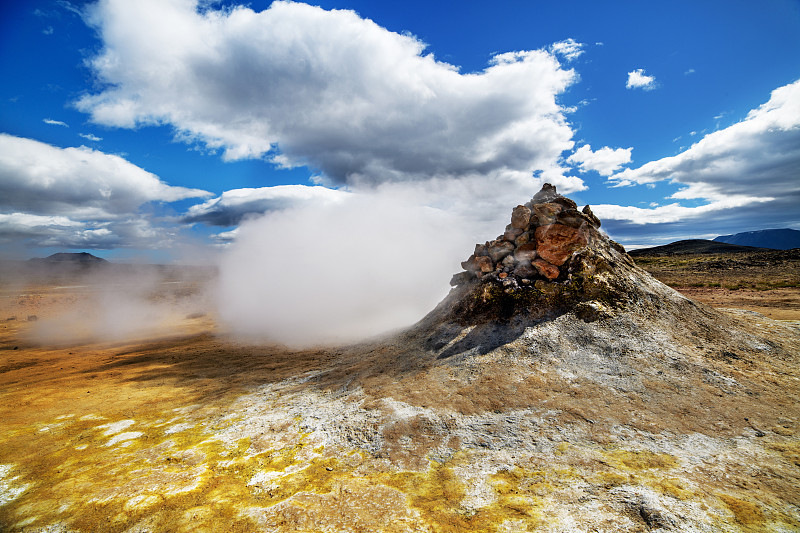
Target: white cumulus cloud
x,y
673,212
231,207
758,156
39,178
637,79
76,195
605,161
58,231
569,49
747,175
54,122
326,89
28,224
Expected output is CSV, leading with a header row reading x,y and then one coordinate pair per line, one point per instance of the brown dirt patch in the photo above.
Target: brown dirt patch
x,y
767,282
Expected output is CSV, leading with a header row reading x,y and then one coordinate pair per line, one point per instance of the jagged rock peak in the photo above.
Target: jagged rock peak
x,y
551,255
547,194
543,235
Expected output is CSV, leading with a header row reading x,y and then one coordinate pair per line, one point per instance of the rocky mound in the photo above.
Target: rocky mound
x,y
552,258
537,244
555,279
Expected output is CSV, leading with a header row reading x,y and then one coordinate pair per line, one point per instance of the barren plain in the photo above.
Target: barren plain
x,y
173,425
765,281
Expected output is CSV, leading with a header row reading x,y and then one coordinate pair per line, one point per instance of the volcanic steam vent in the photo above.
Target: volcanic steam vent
x,y
554,283
552,257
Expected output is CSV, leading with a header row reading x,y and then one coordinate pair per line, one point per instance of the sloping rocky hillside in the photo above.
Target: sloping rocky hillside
x,y
557,388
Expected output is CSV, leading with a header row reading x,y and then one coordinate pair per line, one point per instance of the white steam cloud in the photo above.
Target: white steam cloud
x,y
119,303
339,272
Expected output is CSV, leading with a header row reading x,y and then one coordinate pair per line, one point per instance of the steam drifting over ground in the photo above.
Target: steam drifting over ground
x,y
340,271
105,303
115,312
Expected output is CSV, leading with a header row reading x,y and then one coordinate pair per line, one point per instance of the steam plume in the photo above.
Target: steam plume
x,y
339,272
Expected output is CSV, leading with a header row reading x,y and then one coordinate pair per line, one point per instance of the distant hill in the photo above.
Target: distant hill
x,y
693,246
777,239
82,258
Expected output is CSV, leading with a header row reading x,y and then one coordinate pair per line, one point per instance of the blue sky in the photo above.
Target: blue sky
x,y
155,127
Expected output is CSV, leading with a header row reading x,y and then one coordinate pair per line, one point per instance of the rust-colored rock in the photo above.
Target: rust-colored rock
x,y
545,269
556,242
520,217
484,264
544,214
549,227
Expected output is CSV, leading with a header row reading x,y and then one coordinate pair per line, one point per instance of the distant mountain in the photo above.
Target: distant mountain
x,y
82,258
693,246
777,239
